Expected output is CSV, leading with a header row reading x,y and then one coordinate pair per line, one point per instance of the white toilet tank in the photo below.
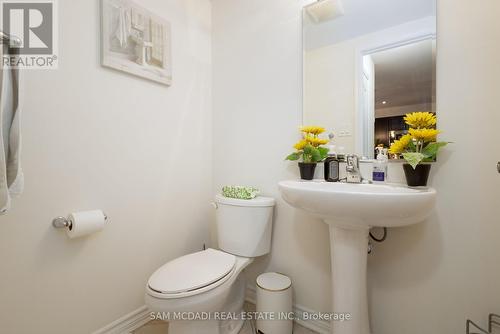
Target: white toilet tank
x,y
244,227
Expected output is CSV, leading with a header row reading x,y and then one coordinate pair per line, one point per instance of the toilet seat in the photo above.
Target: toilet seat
x,y
192,274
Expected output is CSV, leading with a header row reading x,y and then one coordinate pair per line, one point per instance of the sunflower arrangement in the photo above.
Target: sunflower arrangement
x,y
420,144
309,147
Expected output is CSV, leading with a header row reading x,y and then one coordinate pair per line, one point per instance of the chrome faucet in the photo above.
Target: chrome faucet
x,y
352,169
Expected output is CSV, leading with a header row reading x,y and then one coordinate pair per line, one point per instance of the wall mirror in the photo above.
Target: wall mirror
x,y
366,65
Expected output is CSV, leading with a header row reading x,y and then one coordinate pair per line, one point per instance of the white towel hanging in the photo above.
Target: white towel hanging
x,y
11,176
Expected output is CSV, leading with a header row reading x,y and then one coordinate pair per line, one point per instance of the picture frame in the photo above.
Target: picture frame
x,y
136,41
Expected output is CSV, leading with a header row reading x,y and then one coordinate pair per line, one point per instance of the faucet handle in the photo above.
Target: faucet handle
x,y
352,160
352,168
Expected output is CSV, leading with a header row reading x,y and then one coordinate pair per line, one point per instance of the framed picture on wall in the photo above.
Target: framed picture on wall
x,y
135,41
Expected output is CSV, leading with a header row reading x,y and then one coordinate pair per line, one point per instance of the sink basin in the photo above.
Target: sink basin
x,y
360,204
350,210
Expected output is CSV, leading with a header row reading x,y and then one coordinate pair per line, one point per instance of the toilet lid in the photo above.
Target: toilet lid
x,y
191,272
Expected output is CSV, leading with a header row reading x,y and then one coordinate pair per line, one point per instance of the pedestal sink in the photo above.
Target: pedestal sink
x,y
350,210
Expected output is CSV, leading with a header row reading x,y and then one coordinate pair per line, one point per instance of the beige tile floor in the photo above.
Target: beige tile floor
x,y
153,327
160,327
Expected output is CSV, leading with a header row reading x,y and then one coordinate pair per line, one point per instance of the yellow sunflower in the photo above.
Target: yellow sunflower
x,y
425,135
300,145
315,141
421,120
400,145
314,130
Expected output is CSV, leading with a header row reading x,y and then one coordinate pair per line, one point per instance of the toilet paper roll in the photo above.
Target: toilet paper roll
x,y
85,222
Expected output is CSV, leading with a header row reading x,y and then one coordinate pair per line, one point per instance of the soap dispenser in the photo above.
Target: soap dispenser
x,y
380,165
332,169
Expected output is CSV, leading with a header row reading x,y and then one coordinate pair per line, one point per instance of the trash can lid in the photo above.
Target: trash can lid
x,y
273,282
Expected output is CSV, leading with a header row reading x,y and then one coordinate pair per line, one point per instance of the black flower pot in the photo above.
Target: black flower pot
x,y
307,170
417,177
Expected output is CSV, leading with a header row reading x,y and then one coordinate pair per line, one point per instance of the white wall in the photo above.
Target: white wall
x,y
424,279
257,105
431,277
330,91
98,138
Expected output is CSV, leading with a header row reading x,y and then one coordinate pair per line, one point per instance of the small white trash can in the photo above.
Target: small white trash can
x,y
274,304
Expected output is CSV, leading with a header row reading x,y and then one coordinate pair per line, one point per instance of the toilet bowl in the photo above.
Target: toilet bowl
x,y
203,292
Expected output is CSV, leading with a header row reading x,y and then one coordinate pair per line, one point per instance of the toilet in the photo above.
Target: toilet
x,y
201,292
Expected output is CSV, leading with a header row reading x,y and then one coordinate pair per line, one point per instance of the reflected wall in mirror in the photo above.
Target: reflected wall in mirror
x,y
366,65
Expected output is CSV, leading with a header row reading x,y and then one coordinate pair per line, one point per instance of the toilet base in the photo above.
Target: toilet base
x,y
233,305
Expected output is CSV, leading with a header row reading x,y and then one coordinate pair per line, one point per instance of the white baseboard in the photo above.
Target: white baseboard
x,y
141,316
127,323
318,326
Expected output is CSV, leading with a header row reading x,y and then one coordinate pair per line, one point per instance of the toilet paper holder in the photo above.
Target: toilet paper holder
x,y
63,222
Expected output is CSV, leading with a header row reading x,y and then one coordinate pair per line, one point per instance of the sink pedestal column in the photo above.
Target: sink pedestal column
x,y
348,250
